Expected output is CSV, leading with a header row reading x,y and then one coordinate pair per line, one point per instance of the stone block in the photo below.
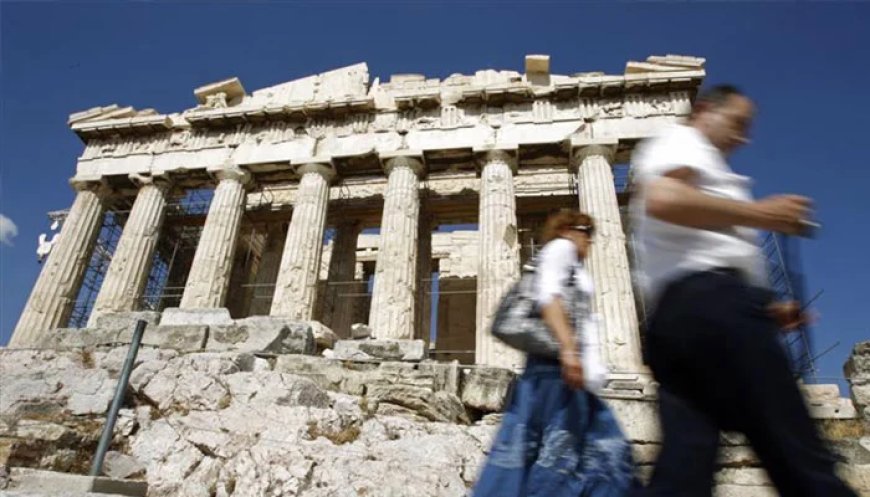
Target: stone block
x,y
120,466
638,419
728,490
485,389
836,409
123,321
263,334
187,338
446,375
50,482
385,350
360,330
820,393
71,338
348,378
858,364
175,316
324,337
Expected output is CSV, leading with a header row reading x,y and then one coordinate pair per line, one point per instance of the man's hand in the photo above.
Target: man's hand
x,y
788,315
783,213
572,370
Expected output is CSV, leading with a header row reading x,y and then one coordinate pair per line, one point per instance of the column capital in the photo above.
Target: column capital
x,y
412,159
508,155
160,180
582,150
230,172
96,184
315,165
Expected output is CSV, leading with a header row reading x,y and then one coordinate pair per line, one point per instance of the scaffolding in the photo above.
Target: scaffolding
x,y
176,245
786,281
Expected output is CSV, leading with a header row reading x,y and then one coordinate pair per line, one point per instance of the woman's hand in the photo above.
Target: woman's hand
x,y
788,315
572,369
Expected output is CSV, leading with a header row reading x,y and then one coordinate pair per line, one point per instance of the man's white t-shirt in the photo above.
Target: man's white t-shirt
x,y
666,251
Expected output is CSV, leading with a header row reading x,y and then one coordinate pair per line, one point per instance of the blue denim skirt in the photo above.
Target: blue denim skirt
x,y
556,442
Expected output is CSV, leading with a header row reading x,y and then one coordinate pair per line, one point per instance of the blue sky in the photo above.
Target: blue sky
x,y
805,63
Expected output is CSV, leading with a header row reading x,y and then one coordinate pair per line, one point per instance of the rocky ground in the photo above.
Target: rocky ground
x,y
220,424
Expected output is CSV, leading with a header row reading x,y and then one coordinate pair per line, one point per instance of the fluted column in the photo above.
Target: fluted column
x,y
128,271
296,286
267,271
392,309
608,260
209,276
499,256
52,298
338,308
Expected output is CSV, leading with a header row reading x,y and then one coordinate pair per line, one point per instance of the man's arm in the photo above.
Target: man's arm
x,y
675,199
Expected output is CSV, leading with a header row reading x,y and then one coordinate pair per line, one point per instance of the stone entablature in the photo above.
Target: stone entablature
x,y
342,115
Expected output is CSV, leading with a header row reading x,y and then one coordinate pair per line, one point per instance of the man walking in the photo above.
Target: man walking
x,y
712,336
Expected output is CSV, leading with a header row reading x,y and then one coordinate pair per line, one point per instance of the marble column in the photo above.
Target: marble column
x,y
392,309
209,277
52,298
608,260
338,307
499,256
267,271
296,286
128,271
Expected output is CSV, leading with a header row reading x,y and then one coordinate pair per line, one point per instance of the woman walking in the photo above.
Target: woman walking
x,y
558,439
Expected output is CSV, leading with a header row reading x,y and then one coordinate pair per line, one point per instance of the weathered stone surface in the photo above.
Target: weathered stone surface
x,y
349,378
173,316
125,321
263,334
608,263
39,482
121,466
51,300
296,284
186,338
209,276
229,423
499,255
387,350
324,337
360,330
638,419
485,389
857,367
393,293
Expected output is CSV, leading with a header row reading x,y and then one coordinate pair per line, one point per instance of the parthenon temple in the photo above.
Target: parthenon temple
x,y
406,205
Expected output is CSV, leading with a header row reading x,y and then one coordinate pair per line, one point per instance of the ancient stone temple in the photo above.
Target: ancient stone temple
x,y
294,173
318,263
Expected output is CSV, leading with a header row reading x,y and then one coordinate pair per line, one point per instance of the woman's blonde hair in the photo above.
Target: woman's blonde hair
x,y
562,220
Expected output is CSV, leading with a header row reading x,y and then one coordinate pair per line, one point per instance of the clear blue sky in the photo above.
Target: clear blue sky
x,y
807,64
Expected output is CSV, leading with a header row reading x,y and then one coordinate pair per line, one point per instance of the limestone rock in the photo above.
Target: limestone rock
x,y
324,337
263,334
485,389
387,350
121,466
360,330
173,316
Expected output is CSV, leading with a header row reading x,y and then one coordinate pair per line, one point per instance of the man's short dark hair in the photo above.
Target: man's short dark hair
x,y
715,96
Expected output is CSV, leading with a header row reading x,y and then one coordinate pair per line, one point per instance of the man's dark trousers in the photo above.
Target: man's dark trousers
x,y
714,351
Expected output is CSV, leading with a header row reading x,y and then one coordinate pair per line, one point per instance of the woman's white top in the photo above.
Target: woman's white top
x,y
557,262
